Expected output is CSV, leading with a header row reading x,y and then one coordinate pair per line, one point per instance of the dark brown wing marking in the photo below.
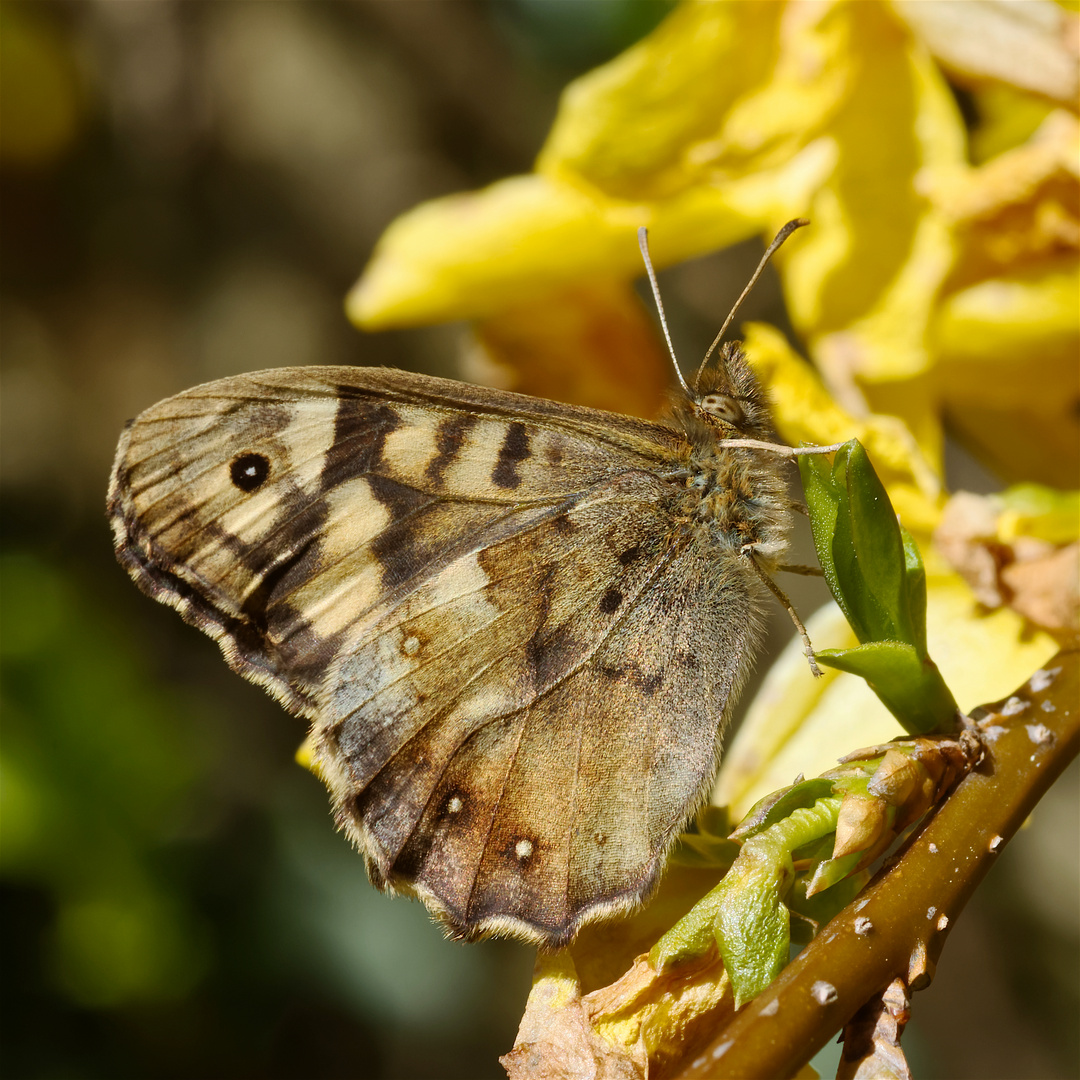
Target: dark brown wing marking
x,y
515,449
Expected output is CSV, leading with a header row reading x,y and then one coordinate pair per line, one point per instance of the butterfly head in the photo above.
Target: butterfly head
x,y
725,399
726,395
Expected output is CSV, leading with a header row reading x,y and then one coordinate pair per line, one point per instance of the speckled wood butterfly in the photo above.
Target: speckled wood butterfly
x,y
516,626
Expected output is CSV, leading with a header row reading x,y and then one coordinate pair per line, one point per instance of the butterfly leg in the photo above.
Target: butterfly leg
x,y
800,568
748,552
779,448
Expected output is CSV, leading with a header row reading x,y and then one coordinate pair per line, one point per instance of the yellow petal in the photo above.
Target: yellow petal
x,y
1007,351
1023,205
1040,512
626,127
804,412
861,286
1006,118
1014,296
699,174
592,344
469,256
1024,45
878,255
717,91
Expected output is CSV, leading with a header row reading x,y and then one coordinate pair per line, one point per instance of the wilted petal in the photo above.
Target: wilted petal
x,y
1018,548
1024,45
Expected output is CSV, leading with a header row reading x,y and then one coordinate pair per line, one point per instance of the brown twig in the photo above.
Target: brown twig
x,y
898,925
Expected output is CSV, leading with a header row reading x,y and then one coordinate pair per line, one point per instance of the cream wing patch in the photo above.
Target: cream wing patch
x,y
349,581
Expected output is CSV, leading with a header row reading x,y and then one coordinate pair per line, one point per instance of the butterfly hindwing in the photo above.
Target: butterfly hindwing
x,y
544,789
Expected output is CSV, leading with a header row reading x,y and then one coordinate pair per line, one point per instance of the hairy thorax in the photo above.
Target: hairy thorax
x,y
732,497
737,501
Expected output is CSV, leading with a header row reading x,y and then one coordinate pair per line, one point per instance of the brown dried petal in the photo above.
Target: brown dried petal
x,y
861,821
1046,589
896,779
872,1038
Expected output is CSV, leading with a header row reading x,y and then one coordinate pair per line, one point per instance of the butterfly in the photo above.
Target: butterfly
x,y
515,626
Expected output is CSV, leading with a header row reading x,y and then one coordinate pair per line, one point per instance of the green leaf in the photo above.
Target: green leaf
x,y
910,686
753,927
915,587
780,804
689,939
870,549
875,572
862,550
745,913
823,498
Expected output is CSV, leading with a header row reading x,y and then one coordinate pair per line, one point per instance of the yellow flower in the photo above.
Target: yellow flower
x,y
925,289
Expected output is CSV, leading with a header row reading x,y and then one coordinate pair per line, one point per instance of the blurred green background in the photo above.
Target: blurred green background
x,y
187,190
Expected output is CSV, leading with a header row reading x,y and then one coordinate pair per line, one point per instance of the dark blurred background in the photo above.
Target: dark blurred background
x,y
187,190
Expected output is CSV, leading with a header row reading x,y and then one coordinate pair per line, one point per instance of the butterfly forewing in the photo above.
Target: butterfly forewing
x,y
514,647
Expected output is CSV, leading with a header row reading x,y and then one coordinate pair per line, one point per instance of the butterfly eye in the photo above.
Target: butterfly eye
x,y
249,471
722,407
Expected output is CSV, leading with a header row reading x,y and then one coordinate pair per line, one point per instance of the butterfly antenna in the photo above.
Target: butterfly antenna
x,y
781,236
643,243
